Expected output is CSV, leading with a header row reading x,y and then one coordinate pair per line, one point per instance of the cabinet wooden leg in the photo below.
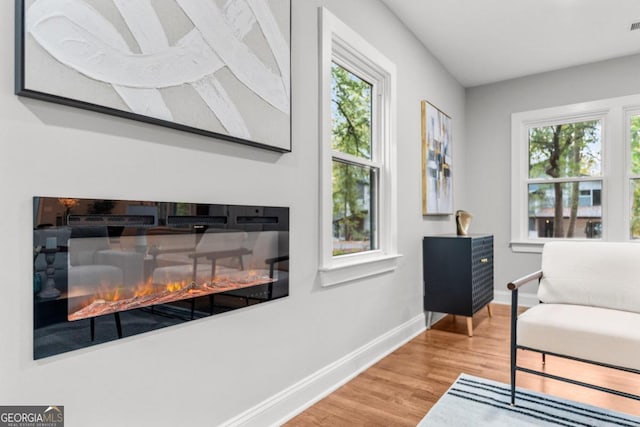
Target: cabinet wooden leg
x,y
489,310
470,326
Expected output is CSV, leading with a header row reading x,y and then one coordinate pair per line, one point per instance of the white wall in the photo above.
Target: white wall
x,y
208,371
488,152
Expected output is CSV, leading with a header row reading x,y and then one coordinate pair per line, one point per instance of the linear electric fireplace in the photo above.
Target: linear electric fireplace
x,y
107,269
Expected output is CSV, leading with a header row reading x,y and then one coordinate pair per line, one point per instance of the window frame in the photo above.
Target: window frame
x,y
341,59
629,112
341,45
614,114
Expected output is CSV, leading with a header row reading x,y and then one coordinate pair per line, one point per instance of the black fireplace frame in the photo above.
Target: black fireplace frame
x,y
131,227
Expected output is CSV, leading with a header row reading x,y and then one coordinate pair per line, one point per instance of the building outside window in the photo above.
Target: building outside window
x,y
564,159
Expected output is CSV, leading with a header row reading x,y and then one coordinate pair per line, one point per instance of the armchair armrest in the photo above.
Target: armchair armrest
x,y
512,286
276,260
271,262
211,255
155,251
214,256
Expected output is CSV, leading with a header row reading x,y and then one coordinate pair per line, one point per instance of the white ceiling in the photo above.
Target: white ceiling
x,y
484,41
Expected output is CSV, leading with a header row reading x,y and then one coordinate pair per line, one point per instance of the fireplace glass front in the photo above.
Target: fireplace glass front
x,y
108,269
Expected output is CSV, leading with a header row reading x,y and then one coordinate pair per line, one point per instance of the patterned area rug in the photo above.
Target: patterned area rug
x,y
473,401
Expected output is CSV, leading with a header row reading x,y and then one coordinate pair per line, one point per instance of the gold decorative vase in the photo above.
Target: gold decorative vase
x,y
463,220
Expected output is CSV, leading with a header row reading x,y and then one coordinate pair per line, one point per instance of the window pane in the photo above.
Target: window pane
x,y
350,113
354,208
568,210
635,144
635,208
565,150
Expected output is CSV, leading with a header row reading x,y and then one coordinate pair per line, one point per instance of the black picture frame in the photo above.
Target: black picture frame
x,y
23,89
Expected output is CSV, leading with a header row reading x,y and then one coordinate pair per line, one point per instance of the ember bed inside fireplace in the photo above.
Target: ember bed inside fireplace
x,y
104,269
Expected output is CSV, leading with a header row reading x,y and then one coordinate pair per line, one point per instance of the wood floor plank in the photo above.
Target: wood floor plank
x,y
401,388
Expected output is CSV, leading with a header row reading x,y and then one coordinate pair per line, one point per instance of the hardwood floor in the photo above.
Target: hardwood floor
x,y
401,388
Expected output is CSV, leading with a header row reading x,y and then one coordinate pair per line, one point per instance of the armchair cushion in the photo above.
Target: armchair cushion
x,y
595,274
592,333
85,242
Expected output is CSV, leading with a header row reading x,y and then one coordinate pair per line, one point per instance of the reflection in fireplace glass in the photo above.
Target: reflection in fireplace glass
x,y
105,269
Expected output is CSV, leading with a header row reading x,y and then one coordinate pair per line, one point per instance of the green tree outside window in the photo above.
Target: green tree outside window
x,y
635,183
354,185
556,154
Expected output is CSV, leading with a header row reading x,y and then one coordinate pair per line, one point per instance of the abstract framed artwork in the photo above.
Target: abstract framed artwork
x,y
437,187
210,67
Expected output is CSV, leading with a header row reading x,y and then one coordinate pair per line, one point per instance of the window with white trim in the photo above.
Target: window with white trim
x,y
576,173
357,156
564,182
355,163
633,133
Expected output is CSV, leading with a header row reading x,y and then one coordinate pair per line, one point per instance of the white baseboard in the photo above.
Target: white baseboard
x,y
524,299
290,402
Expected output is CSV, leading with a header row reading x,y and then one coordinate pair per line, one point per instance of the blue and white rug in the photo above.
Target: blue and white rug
x,y
473,401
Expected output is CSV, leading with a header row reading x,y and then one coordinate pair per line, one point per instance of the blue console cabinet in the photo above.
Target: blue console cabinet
x,y
458,275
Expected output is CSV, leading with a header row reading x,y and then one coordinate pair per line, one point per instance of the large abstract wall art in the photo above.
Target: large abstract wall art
x,y
214,67
437,188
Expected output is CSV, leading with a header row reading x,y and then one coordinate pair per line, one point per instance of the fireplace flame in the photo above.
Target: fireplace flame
x,y
109,292
118,298
175,286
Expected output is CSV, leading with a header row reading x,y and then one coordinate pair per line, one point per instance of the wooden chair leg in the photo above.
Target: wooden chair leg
x,y
470,326
489,310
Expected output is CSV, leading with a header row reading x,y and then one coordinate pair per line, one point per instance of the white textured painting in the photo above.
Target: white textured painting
x,y
216,67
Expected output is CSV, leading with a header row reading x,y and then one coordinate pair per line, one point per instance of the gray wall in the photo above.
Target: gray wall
x,y
211,370
488,146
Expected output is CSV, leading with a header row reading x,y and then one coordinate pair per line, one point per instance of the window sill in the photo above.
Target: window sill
x,y
535,247
526,247
355,269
